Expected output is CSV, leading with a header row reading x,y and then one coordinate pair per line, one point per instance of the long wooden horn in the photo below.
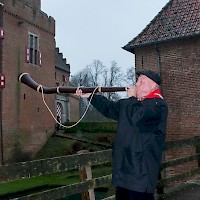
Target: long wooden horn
x,y
27,80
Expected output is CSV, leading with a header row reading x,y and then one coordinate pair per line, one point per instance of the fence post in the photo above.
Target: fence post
x,y
86,174
160,189
197,147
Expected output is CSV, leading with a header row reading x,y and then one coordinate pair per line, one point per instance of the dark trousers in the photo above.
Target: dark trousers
x,y
125,194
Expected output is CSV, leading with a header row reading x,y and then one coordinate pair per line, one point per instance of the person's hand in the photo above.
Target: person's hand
x,y
80,93
131,91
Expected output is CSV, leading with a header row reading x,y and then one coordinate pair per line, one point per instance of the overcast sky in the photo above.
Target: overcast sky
x,y
88,30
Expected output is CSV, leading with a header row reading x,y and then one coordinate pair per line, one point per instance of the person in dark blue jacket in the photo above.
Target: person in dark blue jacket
x,y
140,136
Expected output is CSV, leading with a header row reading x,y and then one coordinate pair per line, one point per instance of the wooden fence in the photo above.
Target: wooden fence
x,y
36,168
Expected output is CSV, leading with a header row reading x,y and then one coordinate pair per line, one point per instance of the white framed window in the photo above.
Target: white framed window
x,y
33,55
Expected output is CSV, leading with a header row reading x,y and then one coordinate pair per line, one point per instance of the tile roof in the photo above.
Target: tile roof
x,y
177,19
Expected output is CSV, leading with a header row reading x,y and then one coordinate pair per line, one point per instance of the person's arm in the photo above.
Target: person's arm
x,y
106,107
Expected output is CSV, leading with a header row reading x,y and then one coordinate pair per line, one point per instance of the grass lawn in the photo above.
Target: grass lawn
x,y
49,181
57,179
55,147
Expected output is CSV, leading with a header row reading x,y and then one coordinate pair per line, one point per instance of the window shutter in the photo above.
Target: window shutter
x,y
2,81
39,58
27,55
1,32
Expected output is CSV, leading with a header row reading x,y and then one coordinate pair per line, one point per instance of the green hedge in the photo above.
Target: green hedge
x,y
91,127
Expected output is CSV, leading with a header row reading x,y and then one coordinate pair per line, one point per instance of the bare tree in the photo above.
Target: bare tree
x,y
77,79
97,74
112,78
82,78
130,76
91,75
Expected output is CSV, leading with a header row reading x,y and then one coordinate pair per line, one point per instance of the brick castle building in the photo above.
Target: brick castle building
x,y
27,44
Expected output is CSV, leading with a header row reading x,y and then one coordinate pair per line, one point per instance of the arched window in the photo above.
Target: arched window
x,y
59,110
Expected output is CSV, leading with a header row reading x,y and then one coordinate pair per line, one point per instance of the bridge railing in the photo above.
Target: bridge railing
x,y
30,169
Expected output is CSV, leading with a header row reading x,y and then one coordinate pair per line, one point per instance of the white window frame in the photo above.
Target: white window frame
x,y
33,49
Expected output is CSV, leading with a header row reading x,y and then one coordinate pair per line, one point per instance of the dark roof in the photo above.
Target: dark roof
x,y
61,62
178,19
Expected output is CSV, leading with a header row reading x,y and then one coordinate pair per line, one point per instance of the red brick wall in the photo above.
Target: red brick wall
x,y
26,121
180,69
61,77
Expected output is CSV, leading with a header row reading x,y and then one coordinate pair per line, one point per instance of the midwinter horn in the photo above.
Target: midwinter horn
x,y
27,80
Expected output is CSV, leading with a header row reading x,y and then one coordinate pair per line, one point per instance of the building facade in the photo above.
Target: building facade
x,y
27,44
67,105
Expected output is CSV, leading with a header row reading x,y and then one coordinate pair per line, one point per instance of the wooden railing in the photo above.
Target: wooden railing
x,y
36,168
179,144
